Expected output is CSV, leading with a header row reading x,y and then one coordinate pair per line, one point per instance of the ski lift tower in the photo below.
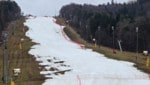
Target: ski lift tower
x,y
5,57
137,42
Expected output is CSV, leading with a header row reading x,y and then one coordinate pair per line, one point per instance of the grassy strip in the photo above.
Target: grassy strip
x,y
19,58
140,62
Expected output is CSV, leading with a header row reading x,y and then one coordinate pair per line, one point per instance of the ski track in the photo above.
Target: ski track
x,y
66,63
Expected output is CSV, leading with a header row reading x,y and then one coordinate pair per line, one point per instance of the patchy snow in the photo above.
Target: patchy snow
x,y
66,63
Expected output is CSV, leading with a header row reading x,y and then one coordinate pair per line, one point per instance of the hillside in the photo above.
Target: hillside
x,y
11,22
19,58
140,61
49,52
66,62
99,21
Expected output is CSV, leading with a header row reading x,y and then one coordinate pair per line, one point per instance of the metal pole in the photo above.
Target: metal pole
x,y
4,68
137,43
5,59
4,63
113,39
99,38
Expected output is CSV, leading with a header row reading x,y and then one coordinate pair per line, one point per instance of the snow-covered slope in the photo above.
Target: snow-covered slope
x,y
66,63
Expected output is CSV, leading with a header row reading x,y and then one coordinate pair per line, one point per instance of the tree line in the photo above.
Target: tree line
x,y
99,21
9,11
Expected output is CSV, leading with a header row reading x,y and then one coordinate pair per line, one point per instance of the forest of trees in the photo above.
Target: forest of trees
x,y
9,11
97,22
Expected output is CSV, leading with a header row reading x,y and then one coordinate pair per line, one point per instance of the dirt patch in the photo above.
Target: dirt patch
x,y
54,67
62,72
59,62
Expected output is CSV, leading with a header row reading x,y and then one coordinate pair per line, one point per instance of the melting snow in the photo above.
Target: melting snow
x,y
66,63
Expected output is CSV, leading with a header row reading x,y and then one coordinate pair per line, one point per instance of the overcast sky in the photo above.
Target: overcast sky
x,y
52,7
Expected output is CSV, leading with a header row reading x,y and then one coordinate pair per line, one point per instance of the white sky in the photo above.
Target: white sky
x,y
52,7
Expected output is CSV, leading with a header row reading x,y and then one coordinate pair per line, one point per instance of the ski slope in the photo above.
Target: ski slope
x,y
66,63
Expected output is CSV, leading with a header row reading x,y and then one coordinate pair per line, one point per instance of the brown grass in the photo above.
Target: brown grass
x,y
19,58
140,62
